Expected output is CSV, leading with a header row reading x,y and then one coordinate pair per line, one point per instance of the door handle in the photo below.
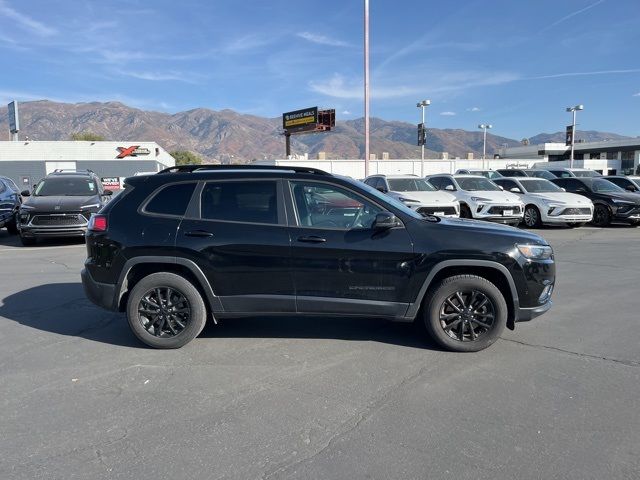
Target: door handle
x,y
199,234
312,239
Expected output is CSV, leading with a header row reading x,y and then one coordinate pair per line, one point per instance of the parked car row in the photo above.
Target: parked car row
x,y
533,197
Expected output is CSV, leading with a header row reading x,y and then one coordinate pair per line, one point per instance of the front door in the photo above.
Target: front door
x,y
341,265
238,235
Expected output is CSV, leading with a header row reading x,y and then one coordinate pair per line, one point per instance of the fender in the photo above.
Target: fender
x,y
412,311
121,286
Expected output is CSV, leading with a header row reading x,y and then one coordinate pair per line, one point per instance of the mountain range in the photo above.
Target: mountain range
x,y
229,136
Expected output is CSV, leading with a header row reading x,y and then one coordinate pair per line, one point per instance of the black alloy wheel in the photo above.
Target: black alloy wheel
x,y
532,218
164,312
465,313
601,216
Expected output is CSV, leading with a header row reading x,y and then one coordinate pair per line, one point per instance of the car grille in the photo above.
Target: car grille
x,y
59,220
576,211
432,210
499,209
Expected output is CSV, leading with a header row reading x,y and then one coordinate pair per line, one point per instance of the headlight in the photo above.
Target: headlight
x,y
408,200
480,199
535,252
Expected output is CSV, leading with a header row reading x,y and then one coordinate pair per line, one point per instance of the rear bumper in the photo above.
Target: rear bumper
x,y
102,294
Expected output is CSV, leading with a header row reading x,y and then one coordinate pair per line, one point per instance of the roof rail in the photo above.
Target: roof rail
x,y
210,168
72,170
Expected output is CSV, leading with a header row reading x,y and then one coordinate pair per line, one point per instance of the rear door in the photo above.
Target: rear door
x,y
236,232
340,264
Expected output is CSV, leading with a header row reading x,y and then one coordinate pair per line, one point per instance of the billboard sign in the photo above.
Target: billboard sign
x,y
14,120
111,183
569,136
304,119
132,151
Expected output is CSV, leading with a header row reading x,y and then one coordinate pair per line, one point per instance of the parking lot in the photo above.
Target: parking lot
x,y
321,398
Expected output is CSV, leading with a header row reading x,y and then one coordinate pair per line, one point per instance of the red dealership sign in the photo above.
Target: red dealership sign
x,y
132,151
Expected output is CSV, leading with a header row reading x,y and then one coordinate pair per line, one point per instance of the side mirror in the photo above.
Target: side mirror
x,y
501,187
382,189
449,188
25,193
631,188
107,192
385,221
580,190
563,189
515,190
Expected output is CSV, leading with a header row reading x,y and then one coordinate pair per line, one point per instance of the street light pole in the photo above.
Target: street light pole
x,y
573,129
366,88
423,105
484,141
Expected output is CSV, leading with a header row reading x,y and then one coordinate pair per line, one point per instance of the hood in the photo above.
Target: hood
x,y
491,228
62,203
626,196
429,198
562,197
495,196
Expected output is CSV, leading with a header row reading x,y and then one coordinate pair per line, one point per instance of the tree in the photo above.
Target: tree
x,y
185,157
87,137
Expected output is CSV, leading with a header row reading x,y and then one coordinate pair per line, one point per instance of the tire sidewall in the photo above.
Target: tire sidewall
x,y
538,221
448,287
607,216
186,288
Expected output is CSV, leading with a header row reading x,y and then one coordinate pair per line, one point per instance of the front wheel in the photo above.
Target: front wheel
x,y
465,212
27,241
466,313
165,310
532,217
601,216
12,227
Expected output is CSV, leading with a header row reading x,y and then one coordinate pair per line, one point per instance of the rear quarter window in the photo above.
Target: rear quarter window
x,y
171,200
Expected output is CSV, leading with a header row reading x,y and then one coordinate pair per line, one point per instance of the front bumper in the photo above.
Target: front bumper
x,y
497,212
526,314
101,294
51,232
451,210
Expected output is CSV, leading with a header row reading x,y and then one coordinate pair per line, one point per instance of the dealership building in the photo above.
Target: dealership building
x,y
26,162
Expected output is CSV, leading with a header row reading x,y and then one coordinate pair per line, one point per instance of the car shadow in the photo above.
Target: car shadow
x,y
63,309
9,240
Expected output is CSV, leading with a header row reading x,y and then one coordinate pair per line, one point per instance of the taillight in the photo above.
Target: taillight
x,y
98,223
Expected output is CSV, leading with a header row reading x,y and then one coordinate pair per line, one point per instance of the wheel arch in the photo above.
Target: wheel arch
x,y
495,272
139,267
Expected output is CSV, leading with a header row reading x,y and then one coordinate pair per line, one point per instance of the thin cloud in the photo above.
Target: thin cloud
x,y
338,87
571,15
25,21
448,114
168,76
473,109
322,39
347,112
581,74
636,94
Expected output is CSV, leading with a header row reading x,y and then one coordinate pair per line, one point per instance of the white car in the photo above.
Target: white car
x,y
480,198
417,194
546,203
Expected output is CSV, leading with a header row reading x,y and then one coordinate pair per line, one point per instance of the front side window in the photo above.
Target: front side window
x,y
171,200
507,184
240,201
322,205
573,185
600,185
473,184
66,186
409,185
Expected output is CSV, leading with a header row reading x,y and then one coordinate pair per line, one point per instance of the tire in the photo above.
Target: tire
x,y
465,211
12,227
27,241
163,329
474,291
601,216
532,217
576,225
634,223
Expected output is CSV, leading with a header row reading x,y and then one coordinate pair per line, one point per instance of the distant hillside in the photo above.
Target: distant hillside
x,y
229,136
586,135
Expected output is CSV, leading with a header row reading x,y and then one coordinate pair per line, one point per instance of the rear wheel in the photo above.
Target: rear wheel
x,y
601,216
165,310
465,313
532,217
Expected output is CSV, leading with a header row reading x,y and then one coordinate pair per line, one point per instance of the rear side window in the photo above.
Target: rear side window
x,y
171,200
247,201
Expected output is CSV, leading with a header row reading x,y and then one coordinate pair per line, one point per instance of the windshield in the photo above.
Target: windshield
x,y
586,173
540,174
473,184
67,186
381,197
600,185
410,185
490,174
540,186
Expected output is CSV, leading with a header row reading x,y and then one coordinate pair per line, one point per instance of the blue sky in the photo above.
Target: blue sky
x,y
515,64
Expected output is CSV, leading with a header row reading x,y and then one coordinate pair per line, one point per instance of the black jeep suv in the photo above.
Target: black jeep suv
x,y
61,205
193,242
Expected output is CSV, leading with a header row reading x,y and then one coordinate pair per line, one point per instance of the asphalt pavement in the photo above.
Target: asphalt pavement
x,y
285,398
